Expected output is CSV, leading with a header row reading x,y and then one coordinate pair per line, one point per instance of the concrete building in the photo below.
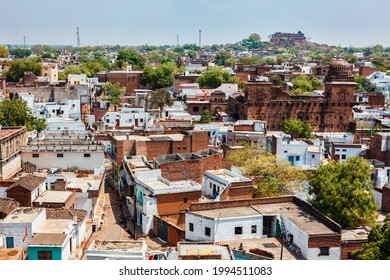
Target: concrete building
x,y
17,229
341,152
77,79
11,139
203,251
128,118
308,232
68,108
50,70
116,250
56,199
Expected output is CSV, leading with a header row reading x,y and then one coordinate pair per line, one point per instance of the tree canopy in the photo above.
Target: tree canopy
x,y
344,192
19,66
297,128
131,58
206,117
272,176
14,112
160,98
363,84
113,92
214,77
159,77
20,53
3,52
223,57
378,246
303,85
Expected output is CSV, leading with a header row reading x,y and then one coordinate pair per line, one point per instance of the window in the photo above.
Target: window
x,y
254,229
60,155
297,158
324,251
207,231
87,155
195,109
285,152
211,184
35,155
238,230
9,242
313,156
343,156
185,200
344,150
191,227
45,255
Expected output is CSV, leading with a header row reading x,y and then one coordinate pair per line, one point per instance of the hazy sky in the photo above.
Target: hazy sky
x,y
157,22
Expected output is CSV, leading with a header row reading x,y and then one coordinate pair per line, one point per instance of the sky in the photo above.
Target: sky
x,y
357,23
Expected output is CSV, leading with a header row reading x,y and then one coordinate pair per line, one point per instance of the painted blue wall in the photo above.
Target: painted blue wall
x,y
33,252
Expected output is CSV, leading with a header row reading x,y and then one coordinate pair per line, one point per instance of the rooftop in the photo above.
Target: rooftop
x,y
9,131
203,249
119,246
29,182
227,176
11,254
47,239
66,214
23,215
56,226
54,197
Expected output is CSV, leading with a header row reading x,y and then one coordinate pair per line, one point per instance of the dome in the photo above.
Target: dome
x,y
339,70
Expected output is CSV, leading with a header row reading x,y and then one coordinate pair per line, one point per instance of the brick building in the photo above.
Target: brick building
x,y
7,205
11,139
288,39
330,112
130,80
27,189
380,147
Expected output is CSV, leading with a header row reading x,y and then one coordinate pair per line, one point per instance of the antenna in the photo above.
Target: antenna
x,y
24,41
177,39
200,38
78,37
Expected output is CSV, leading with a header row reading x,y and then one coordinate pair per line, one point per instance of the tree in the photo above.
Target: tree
x,y
160,98
251,60
192,54
378,244
271,176
279,60
19,66
303,85
20,53
130,57
270,61
159,77
206,117
214,77
3,52
344,192
113,92
222,57
363,84
297,128
254,37
15,112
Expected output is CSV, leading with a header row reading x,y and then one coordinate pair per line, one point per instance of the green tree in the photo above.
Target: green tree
x,y
214,77
279,60
161,98
20,53
206,117
3,52
254,37
222,57
159,77
303,85
271,176
378,246
344,192
71,69
363,84
131,58
14,112
113,92
192,54
297,128
251,60
270,61
91,67
19,66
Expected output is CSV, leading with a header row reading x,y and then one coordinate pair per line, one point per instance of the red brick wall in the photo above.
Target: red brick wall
x,y
240,192
199,140
366,70
182,146
173,203
386,199
349,247
243,128
376,100
323,240
157,148
21,195
175,234
183,80
375,150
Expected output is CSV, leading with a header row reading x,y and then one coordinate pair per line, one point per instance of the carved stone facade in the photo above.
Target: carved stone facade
x,y
330,112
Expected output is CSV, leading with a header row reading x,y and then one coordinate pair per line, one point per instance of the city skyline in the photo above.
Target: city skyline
x,y
159,22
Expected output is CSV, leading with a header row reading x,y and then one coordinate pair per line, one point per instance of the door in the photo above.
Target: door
x,y
9,241
291,159
162,231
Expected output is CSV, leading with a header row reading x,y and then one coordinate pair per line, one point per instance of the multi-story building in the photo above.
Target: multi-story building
x,y
11,140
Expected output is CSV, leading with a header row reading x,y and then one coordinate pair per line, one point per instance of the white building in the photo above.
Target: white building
x,y
117,250
17,229
128,118
77,79
69,108
342,152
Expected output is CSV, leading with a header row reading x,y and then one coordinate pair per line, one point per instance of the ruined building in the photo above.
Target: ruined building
x,y
331,111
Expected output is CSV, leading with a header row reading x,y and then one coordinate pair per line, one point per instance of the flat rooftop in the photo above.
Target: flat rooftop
x,y
56,226
186,249
227,175
11,254
48,239
232,212
6,132
23,215
118,246
54,197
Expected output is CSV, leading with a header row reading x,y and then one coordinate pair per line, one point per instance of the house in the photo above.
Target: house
x,y
26,189
117,250
203,251
341,152
253,132
380,147
306,154
56,199
222,184
50,70
11,139
306,230
17,229
156,195
128,118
